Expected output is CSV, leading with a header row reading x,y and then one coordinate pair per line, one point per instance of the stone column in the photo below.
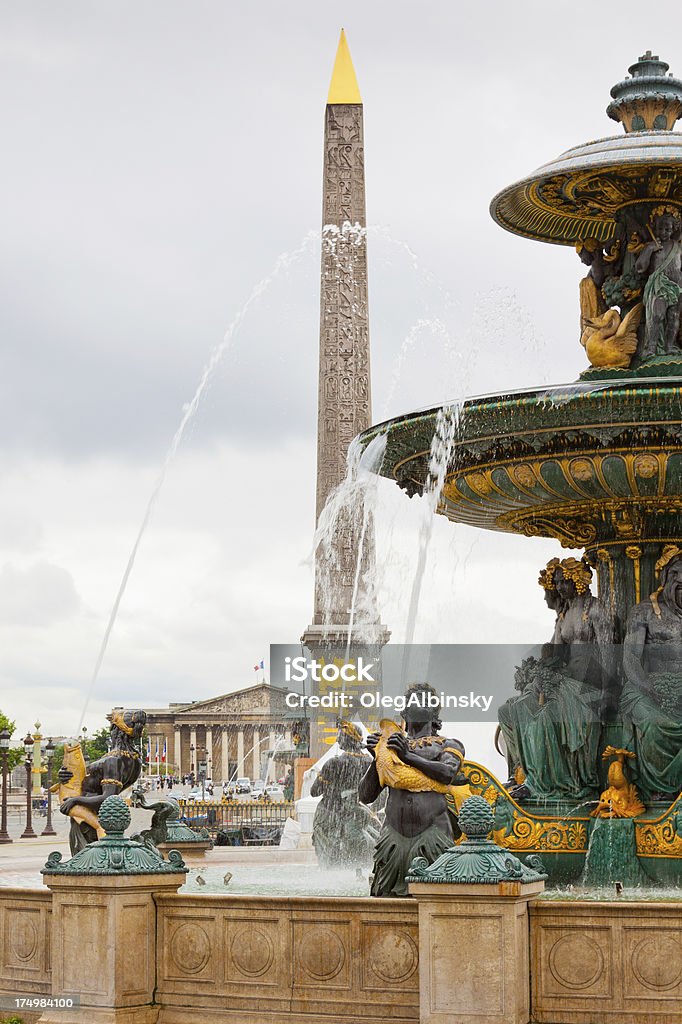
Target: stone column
x,y
272,743
193,754
256,755
209,751
344,387
177,750
473,952
240,754
225,754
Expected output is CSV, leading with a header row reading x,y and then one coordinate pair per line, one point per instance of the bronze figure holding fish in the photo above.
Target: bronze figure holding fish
x,y
421,770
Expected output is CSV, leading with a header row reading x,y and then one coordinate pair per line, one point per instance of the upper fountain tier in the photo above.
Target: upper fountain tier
x,y
587,191
595,465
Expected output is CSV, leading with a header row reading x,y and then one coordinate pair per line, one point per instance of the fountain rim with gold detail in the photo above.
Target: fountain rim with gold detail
x,y
577,195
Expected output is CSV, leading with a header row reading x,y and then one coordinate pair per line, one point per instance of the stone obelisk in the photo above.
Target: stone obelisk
x,y
344,394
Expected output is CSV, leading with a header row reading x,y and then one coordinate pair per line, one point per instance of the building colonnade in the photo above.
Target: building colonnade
x,y
222,750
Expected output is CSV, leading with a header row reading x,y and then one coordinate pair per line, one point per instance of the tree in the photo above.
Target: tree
x,y
16,754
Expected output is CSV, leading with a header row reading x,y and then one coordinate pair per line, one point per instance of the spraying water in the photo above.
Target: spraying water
x,y
370,464
436,327
284,262
348,511
447,422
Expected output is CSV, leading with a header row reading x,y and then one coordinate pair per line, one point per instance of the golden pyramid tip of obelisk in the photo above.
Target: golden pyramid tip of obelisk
x,y
344,85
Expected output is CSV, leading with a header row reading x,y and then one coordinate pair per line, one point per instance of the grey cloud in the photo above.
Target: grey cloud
x,y
19,530
160,157
37,596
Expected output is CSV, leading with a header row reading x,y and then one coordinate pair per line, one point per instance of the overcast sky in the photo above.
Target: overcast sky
x,y
158,157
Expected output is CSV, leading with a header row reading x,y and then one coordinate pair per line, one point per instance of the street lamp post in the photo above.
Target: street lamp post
x,y
192,764
203,772
4,753
28,832
36,774
49,750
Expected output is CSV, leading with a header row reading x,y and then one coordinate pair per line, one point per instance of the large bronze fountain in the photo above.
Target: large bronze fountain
x,y
595,731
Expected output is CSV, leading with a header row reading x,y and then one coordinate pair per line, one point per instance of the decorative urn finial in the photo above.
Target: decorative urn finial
x,y
651,100
477,860
115,854
114,816
476,818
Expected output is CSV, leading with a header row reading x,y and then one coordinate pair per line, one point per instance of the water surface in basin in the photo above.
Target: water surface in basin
x,y
608,894
282,880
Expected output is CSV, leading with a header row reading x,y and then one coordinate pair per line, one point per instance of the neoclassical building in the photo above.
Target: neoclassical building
x,y
230,736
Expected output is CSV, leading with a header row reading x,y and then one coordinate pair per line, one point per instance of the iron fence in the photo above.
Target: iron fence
x,y
232,815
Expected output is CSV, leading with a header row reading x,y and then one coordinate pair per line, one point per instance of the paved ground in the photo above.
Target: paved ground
x,y
22,859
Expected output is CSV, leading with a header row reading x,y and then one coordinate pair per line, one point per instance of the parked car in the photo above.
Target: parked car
x,y
243,785
275,793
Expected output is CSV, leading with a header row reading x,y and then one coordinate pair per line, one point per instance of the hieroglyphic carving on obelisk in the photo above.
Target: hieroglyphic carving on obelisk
x,y
344,404
344,401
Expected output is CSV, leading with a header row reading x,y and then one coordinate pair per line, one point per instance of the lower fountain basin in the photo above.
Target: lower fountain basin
x,y
576,848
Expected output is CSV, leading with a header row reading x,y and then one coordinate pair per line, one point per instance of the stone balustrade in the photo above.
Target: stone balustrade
x,y
264,958
606,961
25,918
322,960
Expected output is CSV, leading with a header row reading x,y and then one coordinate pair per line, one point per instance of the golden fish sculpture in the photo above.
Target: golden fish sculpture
x,y
394,772
75,763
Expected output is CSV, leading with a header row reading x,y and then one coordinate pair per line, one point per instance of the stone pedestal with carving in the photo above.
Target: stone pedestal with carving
x,y
474,962
301,766
104,946
473,952
104,924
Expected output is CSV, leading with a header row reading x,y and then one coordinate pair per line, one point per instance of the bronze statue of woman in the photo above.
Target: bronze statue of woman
x,y
554,728
651,704
344,831
661,260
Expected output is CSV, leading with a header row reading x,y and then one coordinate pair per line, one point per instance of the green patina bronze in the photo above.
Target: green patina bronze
x,y
649,82
612,856
595,465
166,826
477,860
115,854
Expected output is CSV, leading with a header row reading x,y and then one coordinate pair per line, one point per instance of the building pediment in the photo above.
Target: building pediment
x,y
267,700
